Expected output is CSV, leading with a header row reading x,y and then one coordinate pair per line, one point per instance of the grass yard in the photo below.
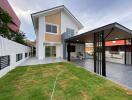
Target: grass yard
x,y
73,83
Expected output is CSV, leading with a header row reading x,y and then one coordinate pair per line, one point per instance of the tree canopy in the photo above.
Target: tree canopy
x,y
5,19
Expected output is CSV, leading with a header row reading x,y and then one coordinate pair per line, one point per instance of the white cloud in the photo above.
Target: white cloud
x,y
23,14
114,12
94,20
24,8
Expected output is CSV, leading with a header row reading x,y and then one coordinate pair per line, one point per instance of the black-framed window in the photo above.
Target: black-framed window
x,y
4,61
29,54
54,29
48,28
51,28
18,57
70,32
26,55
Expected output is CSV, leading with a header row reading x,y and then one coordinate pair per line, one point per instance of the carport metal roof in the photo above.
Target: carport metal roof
x,y
114,31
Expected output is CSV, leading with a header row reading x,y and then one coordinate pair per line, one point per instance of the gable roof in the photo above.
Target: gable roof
x,y
62,7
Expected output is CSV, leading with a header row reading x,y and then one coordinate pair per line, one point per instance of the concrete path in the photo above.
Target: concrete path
x,y
119,73
35,61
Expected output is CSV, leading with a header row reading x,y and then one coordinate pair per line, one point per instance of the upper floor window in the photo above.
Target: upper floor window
x,y
70,31
51,28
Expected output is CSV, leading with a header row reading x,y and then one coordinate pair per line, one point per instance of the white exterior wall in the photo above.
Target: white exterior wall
x,y
8,47
40,48
59,51
119,58
79,48
41,43
116,58
67,22
36,31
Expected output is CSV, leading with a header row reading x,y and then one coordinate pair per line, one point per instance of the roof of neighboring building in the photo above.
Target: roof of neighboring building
x,y
116,43
15,25
30,43
62,7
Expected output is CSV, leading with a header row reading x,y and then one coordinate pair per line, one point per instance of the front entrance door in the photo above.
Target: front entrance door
x,y
50,51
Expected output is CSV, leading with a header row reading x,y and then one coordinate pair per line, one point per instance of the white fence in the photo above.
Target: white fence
x,y
12,49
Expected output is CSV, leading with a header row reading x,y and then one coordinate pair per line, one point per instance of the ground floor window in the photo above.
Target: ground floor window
x,y
50,51
18,57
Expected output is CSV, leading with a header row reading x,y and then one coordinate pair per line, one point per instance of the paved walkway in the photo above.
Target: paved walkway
x,y
35,61
119,73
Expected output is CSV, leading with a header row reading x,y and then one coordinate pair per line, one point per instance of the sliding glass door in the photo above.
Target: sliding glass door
x,y
50,51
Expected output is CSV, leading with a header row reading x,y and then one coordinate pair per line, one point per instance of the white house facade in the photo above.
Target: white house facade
x,y
49,26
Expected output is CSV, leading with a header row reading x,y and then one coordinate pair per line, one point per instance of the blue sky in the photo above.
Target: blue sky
x,y
91,13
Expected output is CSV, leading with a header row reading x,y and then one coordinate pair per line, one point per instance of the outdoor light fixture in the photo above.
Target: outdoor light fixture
x,y
116,38
114,41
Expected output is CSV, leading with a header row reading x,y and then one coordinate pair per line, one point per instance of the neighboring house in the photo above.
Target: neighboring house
x,y
114,50
113,47
52,26
31,44
14,26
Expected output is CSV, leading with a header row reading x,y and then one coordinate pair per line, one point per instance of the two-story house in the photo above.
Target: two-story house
x,y
49,26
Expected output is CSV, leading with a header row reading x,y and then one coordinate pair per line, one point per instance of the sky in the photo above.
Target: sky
x,y
91,13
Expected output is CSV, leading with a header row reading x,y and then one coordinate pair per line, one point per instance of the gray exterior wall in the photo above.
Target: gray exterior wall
x,y
65,36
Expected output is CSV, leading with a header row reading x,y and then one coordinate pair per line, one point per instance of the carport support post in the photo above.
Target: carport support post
x,y
131,51
103,55
95,46
68,52
99,47
125,51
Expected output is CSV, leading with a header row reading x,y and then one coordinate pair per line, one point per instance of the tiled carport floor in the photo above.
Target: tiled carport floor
x,y
119,73
35,61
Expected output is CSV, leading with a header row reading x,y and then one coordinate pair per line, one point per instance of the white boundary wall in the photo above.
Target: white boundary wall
x,y
11,48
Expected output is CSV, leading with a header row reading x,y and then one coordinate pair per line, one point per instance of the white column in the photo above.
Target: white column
x,y
36,31
84,50
61,52
58,51
40,41
44,38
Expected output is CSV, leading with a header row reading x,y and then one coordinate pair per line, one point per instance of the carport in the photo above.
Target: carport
x,y
98,37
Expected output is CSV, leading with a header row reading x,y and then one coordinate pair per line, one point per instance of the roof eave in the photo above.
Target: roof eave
x,y
77,21
46,11
123,28
109,26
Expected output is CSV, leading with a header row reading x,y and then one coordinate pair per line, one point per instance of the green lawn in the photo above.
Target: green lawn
x,y
73,83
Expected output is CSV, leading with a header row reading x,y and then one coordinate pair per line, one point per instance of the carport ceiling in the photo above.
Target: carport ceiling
x,y
113,31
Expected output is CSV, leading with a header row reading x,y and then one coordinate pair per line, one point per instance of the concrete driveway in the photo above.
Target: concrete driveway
x,y
120,73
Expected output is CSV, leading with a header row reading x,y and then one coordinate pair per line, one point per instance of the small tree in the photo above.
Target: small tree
x,y
19,38
5,19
